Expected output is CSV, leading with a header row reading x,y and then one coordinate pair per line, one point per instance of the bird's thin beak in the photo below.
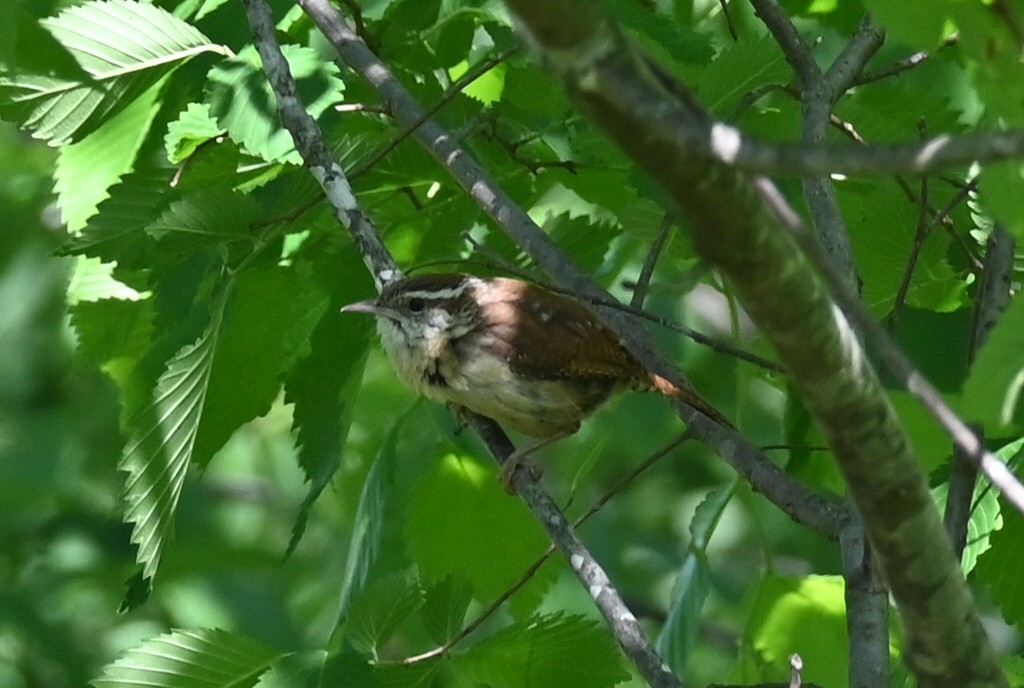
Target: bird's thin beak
x,y
368,306
372,307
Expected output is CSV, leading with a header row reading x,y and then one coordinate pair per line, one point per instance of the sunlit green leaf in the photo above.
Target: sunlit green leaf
x,y
125,46
251,358
161,439
206,658
242,102
1000,567
805,616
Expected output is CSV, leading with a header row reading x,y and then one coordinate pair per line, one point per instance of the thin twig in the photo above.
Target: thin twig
x,y
920,235
643,282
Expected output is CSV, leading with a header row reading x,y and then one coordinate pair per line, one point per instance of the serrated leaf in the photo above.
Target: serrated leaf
x,y
116,231
323,384
1004,185
555,650
379,609
462,502
126,47
194,127
585,240
88,168
206,658
444,607
1001,566
204,218
243,103
992,391
251,357
161,439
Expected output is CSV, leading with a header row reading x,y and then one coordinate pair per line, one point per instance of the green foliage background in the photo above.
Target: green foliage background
x,y
170,284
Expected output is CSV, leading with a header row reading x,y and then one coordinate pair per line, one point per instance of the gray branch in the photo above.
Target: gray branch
x,y
310,144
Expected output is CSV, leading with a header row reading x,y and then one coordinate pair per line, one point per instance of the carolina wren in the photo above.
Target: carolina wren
x,y
530,359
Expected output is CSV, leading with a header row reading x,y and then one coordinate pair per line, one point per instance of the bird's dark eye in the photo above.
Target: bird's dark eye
x,y
416,304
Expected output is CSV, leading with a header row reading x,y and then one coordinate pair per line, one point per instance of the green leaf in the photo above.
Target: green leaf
x,y
378,545
738,69
93,280
114,334
920,24
161,439
194,127
379,609
242,101
204,218
88,168
806,616
585,240
992,392
418,675
444,607
555,650
126,47
693,584
411,16
882,225
323,385
662,34
1000,567
460,503
454,40
116,231
251,358
1004,186
206,658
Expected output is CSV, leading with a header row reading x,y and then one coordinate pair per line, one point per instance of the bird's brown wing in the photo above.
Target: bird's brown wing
x,y
565,339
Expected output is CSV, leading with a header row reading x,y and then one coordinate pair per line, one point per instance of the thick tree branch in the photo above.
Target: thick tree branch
x,y
804,506
744,228
867,601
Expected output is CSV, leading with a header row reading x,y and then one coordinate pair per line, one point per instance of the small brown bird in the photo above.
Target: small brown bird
x,y
532,360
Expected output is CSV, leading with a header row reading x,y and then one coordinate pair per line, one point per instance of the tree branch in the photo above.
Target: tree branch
x,y
744,227
310,144
867,602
